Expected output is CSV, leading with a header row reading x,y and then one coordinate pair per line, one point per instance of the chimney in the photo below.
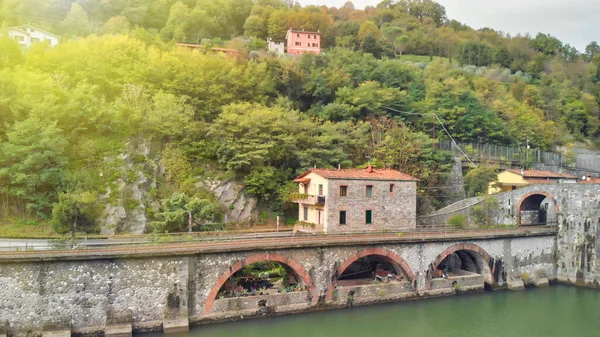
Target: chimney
x,y
370,169
522,172
339,166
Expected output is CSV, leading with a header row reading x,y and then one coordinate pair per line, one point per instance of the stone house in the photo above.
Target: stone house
x,y
26,35
301,42
276,46
513,179
356,200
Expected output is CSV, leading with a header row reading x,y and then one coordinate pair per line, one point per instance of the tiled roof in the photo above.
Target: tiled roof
x,y
541,174
366,174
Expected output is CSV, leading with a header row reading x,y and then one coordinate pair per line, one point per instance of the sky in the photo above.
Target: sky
x,y
576,22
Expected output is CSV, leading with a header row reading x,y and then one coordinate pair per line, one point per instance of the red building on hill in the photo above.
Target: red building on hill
x,y
301,42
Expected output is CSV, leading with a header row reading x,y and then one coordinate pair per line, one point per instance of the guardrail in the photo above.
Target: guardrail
x,y
262,240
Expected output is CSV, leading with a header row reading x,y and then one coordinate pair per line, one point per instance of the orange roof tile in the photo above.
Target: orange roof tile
x,y
541,174
366,174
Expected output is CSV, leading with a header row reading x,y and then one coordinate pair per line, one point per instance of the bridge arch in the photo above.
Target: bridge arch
x,y
532,209
397,262
468,251
263,257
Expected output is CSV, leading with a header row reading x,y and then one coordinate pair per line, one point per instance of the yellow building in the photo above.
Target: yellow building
x,y
513,179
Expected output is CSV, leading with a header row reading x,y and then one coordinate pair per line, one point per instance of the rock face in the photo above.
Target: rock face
x,y
456,191
240,208
128,213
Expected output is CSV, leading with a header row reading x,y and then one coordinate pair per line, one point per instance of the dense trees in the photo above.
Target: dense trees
x,y
70,114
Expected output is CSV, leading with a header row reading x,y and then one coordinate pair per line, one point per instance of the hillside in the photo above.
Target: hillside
x,y
116,127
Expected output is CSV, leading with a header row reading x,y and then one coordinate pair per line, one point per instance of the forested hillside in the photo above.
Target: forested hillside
x,y
117,104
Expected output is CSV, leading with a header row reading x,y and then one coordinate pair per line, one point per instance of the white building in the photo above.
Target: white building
x,y
26,35
276,46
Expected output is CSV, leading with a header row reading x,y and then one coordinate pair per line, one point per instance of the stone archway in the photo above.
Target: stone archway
x,y
395,259
478,254
292,264
530,210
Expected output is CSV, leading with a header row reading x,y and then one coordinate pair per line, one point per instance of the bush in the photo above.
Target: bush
x,y
458,220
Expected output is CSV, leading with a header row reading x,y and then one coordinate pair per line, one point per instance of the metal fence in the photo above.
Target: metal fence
x,y
503,154
262,240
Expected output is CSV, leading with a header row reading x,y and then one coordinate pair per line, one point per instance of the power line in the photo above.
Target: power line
x,y
442,125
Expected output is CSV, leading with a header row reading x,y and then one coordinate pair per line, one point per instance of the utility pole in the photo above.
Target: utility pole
x,y
527,155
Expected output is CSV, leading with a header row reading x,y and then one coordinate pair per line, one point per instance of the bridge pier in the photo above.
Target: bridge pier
x,y
3,328
118,323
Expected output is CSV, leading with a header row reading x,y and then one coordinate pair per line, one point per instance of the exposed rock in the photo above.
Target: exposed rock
x,y
128,215
240,208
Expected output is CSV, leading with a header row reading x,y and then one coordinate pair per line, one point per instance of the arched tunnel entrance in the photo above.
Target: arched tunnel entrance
x,y
372,274
260,282
537,208
262,278
461,267
371,269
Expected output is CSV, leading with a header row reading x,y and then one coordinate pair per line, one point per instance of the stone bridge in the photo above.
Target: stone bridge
x,y
536,204
116,292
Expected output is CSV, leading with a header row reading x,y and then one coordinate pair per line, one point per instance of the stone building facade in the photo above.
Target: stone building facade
x,y
357,200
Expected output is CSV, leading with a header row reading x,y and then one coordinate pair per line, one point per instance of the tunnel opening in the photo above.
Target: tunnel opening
x,y
262,278
372,269
537,209
460,263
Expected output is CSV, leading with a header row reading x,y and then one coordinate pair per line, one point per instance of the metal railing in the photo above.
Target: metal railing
x,y
263,241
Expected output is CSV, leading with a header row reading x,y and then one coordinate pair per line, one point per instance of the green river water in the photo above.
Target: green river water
x,y
546,312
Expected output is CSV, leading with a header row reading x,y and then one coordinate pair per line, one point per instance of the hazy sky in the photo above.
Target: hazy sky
x,y
576,22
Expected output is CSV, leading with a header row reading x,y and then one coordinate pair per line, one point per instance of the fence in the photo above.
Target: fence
x,y
262,240
519,155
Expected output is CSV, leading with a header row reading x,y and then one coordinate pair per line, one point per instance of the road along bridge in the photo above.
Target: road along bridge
x,y
170,286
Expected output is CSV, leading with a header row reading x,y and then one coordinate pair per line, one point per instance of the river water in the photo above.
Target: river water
x,y
554,311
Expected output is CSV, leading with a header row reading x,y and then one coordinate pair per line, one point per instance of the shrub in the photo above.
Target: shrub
x,y
458,220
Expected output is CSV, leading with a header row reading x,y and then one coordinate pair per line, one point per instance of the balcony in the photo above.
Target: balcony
x,y
306,199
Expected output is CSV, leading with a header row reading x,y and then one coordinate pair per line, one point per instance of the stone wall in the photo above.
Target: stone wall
x,y
159,289
32,294
390,210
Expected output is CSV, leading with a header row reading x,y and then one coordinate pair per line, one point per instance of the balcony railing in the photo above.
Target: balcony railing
x,y
307,199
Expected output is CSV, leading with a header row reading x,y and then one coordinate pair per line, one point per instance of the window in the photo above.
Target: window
x,y
320,189
35,39
369,191
316,45
305,213
309,36
298,43
342,217
369,217
18,38
343,191
297,35
391,188
305,188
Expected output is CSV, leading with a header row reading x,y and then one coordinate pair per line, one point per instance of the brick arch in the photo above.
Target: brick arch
x,y
530,194
488,271
376,251
295,266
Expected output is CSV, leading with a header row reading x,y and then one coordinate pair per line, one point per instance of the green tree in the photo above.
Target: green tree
x,y
366,28
75,211
180,211
177,23
479,179
117,25
591,50
77,21
32,160
369,44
